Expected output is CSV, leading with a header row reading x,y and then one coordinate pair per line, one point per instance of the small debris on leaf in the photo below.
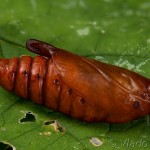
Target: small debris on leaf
x,y
95,141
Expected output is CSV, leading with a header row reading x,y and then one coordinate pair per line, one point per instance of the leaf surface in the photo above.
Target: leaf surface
x,y
115,32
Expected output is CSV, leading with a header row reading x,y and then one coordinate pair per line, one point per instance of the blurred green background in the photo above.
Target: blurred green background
x,y
112,31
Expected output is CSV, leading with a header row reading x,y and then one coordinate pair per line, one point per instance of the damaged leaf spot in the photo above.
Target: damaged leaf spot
x,y
49,122
95,141
29,117
45,133
6,146
3,129
57,126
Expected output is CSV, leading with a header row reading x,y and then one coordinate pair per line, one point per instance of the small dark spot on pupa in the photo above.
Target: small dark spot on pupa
x,y
69,91
38,76
25,73
82,100
56,82
136,104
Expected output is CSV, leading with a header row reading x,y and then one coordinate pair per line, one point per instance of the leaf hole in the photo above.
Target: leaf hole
x,y
6,146
29,117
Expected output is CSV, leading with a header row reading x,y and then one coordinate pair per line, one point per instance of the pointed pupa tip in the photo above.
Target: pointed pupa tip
x,y
41,48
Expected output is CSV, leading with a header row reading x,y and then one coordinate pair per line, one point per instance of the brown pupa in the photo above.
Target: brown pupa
x,y
83,88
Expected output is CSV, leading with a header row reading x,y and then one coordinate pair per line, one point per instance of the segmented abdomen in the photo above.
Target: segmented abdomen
x,y
39,80
24,76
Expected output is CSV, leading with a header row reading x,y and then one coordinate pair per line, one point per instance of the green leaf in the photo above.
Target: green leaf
x,y
115,32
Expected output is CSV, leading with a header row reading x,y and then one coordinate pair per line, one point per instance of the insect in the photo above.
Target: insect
x,y
83,88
